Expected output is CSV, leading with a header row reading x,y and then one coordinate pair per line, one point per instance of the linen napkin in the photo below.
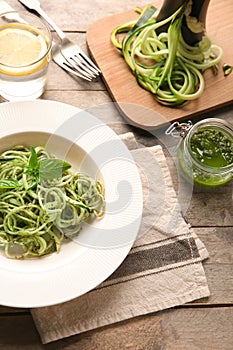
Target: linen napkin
x,y
163,269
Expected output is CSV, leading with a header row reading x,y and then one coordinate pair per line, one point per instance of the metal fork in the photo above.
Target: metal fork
x,y
71,52
62,62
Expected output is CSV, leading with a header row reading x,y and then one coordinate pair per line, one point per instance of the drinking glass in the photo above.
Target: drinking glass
x,y
25,53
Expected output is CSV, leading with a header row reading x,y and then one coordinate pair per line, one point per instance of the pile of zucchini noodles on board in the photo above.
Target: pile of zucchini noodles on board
x,y
41,201
163,60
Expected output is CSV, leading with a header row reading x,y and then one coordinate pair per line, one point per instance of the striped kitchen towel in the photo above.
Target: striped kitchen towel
x,y
163,269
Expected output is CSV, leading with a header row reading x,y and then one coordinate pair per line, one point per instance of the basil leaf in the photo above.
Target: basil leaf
x,y
9,183
32,167
52,168
33,161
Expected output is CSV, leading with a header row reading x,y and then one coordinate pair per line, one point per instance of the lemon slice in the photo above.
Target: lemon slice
x,y
22,49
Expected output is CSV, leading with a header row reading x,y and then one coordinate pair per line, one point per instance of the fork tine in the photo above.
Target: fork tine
x,y
59,59
86,59
77,52
76,62
78,67
83,61
75,56
75,72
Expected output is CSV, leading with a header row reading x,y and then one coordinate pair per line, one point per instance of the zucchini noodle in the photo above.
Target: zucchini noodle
x,y
36,216
163,63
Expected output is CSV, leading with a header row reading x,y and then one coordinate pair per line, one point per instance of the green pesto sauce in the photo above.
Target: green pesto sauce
x,y
212,147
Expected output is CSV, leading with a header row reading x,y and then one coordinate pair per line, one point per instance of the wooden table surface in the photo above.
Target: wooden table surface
x,y
204,324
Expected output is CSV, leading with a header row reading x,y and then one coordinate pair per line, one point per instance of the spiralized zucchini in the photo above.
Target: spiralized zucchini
x,y
162,62
35,216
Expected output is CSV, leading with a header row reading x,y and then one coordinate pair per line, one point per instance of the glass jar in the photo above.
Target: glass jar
x,y
205,154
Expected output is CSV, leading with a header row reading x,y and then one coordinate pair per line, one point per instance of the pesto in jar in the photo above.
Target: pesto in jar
x,y
205,156
212,147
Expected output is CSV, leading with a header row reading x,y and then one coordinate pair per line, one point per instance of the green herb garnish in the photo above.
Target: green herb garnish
x,y
8,183
46,169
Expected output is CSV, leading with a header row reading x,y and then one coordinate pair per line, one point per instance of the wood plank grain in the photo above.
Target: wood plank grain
x,y
198,329
5,310
205,207
219,243
18,332
139,106
177,329
78,15
219,266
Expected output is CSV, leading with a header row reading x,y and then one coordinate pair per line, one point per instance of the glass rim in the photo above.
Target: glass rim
x,y
40,20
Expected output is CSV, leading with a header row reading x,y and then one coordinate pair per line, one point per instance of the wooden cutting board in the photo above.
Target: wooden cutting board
x,y
139,106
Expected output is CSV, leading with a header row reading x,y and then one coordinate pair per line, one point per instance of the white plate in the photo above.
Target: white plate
x,y
102,245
